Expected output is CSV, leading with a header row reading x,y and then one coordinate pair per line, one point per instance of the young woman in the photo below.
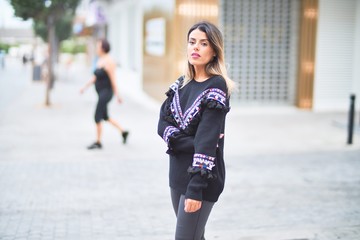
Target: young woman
x,y
105,85
192,121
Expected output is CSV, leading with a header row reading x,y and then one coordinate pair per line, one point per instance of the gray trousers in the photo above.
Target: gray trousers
x,y
190,226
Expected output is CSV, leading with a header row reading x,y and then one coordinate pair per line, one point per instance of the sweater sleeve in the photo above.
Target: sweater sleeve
x,y
181,143
171,134
205,143
166,129
176,140
166,126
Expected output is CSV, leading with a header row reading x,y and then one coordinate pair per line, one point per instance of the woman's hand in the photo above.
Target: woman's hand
x,y
92,81
119,99
192,205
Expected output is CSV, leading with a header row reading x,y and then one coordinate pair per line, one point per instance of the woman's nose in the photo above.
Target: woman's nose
x,y
196,46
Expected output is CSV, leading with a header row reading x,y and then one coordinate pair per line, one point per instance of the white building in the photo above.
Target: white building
x,y
303,53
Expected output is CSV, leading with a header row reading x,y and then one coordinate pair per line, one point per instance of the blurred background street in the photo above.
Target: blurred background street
x,y
290,173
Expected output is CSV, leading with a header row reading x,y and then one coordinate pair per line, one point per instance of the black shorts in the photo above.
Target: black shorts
x,y
101,112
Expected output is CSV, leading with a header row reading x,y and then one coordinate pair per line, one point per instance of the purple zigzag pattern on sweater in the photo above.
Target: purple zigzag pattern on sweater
x,y
184,120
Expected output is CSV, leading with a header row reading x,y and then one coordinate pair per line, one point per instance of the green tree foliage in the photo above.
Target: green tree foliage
x,y
5,47
52,21
73,47
63,28
40,10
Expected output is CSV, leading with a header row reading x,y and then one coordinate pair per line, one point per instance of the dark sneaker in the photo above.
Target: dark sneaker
x,y
95,146
125,134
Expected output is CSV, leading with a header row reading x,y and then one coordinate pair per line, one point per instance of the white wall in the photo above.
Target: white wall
x,y
335,54
356,63
125,26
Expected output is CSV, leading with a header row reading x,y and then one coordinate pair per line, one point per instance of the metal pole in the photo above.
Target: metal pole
x,y
351,119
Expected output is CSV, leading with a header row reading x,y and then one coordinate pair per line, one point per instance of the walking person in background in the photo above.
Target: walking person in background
x,y
105,85
192,122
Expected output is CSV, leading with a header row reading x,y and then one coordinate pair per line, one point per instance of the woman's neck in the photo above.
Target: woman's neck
x,y
102,55
200,74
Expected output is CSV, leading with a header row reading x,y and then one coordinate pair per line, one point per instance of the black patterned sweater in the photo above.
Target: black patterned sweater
x,y
192,122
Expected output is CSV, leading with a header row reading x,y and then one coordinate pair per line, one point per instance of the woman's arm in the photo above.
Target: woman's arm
x,y
176,140
111,69
205,144
182,143
206,140
165,129
88,84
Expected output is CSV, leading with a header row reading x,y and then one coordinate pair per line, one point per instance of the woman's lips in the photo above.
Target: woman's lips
x,y
195,55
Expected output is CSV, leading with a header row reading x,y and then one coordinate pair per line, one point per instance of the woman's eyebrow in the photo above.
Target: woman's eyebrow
x,y
205,39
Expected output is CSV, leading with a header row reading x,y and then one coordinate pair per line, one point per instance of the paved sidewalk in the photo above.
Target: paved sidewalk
x,y
290,174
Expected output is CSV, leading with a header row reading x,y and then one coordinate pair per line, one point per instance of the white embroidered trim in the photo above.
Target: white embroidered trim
x,y
203,161
170,130
184,120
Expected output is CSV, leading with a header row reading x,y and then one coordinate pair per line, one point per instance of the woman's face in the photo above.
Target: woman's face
x,y
199,51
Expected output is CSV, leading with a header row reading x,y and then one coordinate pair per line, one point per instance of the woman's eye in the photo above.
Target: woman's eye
x,y
204,44
191,42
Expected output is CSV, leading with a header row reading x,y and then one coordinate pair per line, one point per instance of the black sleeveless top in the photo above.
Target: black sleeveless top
x,y
102,80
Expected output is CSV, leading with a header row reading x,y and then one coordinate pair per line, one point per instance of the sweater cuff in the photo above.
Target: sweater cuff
x,y
202,164
195,188
203,161
169,131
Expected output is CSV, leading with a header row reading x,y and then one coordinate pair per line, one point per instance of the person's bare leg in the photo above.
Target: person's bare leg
x,y
98,132
116,124
123,133
97,144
